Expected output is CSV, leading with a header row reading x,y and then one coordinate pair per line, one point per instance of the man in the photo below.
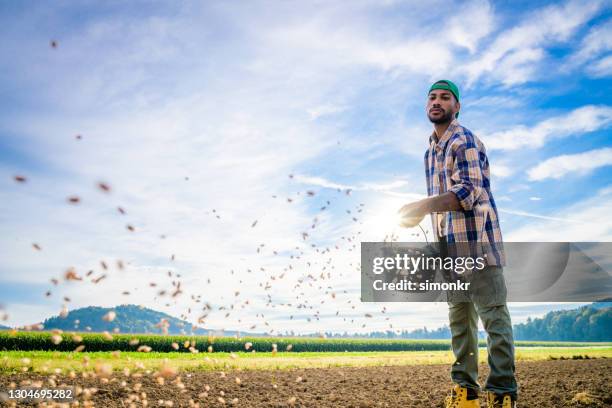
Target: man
x,y
464,219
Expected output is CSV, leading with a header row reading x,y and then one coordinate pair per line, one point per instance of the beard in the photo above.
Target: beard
x,y
446,117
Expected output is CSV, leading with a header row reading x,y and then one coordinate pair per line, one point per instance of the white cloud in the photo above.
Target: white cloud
x,y
513,188
597,41
325,110
581,120
519,66
321,182
492,102
592,53
601,68
584,221
574,164
470,35
539,216
501,170
379,187
512,58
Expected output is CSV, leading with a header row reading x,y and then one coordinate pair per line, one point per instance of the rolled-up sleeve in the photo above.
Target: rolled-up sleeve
x,y
467,178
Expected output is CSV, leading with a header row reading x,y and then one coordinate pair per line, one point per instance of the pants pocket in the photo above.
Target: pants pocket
x,y
488,287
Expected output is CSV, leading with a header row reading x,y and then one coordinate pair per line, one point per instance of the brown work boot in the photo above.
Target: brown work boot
x,y
459,398
500,401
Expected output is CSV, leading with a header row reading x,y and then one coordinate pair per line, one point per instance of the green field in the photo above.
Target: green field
x,y
93,342
40,352
64,362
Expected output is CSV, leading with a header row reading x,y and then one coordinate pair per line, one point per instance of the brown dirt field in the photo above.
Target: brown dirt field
x,y
543,384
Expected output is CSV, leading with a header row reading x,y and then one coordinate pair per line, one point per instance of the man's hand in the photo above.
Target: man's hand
x,y
412,214
410,222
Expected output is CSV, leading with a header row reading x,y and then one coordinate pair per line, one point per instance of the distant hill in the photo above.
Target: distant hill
x,y
587,323
2,327
129,319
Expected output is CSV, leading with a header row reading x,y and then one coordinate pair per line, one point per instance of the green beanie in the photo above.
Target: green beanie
x,y
448,86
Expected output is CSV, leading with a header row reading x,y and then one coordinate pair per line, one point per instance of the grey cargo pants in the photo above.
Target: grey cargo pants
x,y
487,300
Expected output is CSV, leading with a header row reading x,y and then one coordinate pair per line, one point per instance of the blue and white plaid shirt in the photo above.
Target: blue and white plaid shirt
x,y
458,162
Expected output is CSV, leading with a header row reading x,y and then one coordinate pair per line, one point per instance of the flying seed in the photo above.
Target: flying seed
x,y
104,187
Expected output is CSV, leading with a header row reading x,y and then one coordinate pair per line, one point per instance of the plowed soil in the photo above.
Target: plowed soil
x,y
543,384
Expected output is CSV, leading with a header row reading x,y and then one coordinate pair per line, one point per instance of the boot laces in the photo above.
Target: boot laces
x,y
453,400
494,401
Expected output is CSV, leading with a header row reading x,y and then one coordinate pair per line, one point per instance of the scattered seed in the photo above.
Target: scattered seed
x,y
110,316
104,187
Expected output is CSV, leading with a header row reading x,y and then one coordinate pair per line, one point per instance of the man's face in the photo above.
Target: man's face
x,y
441,106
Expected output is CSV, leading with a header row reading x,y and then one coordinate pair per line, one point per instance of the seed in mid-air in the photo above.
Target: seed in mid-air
x,y
110,316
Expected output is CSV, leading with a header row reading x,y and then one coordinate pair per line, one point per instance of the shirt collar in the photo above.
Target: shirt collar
x,y
447,134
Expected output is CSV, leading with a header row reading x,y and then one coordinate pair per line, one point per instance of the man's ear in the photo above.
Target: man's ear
x,y
458,109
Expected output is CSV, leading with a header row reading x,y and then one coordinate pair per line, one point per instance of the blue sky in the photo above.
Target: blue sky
x,y
193,110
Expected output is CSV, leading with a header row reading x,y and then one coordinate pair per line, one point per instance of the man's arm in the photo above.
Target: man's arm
x,y
467,180
442,203
412,214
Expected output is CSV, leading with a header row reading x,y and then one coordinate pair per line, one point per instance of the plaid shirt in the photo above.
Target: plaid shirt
x,y
458,163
